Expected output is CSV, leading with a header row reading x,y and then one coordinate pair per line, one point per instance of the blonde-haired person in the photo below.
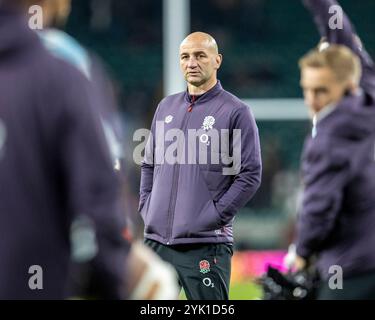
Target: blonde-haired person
x,y
337,217
328,75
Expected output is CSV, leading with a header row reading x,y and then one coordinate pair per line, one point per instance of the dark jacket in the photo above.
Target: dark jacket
x,y
337,218
54,166
196,201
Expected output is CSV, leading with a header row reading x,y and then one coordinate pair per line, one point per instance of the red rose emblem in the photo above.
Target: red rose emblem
x,y
204,266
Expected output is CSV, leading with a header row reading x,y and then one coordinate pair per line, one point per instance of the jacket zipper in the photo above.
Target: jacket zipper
x,y
176,174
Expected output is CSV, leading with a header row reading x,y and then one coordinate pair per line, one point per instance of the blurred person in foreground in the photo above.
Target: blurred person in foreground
x,y
64,46
337,219
189,201
59,194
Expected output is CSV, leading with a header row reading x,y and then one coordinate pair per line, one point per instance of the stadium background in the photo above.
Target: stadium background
x,y
261,41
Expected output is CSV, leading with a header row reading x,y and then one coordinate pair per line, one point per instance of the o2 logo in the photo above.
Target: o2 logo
x,y
208,283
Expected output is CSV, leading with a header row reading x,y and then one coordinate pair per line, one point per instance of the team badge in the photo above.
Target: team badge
x,y
204,266
208,123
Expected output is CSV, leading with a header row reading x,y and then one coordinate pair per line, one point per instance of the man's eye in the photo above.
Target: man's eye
x,y
321,91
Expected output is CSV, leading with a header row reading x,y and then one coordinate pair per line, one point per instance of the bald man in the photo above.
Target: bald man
x,y
202,164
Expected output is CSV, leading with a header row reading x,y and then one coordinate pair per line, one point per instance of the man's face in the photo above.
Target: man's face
x,y
321,88
199,62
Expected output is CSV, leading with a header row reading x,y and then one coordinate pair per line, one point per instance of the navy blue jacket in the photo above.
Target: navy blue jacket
x,y
337,219
54,166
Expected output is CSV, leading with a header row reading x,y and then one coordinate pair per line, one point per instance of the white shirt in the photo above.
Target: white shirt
x,y
320,116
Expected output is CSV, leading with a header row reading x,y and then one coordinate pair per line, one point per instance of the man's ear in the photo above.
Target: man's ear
x,y
219,60
352,87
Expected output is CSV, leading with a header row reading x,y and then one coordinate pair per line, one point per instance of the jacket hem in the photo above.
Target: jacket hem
x,y
216,239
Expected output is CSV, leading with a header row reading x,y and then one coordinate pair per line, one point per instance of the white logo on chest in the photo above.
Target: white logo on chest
x,y
208,123
168,119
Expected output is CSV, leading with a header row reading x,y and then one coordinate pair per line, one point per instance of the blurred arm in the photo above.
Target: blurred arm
x,y
320,9
150,277
147,166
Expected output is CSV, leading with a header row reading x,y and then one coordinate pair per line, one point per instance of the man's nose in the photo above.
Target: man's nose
x,y
310,99
192,63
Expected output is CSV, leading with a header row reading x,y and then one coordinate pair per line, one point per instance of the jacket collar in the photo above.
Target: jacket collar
x,y
215,90
351,119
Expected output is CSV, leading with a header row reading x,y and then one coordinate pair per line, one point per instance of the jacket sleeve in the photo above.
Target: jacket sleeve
x,y
320,9
247,174
147,166
326,171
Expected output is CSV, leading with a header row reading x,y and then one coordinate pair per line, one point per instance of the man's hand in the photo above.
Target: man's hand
x,y
293,261
300,263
